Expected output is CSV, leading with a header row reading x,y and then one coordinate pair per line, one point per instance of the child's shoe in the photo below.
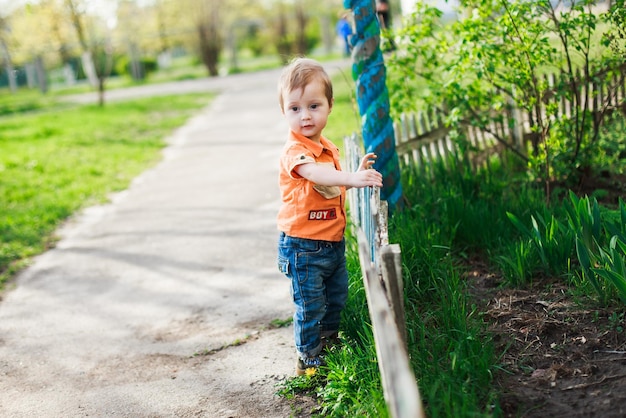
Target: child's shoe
x,y
309,365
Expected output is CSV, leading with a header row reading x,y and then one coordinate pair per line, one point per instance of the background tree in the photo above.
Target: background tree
x,y
69,32
499,57
162,25
301,19
205,16
59,31
283,40
97,54
129,27
297,29
5,54
616,35
31,49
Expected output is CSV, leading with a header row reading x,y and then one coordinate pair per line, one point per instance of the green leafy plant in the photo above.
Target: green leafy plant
x,y
612,266
300,385
616,36
600,244
584,218
554,242
586,260
505,57
516,262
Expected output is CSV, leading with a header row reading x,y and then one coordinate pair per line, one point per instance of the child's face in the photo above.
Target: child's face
x,y
307,110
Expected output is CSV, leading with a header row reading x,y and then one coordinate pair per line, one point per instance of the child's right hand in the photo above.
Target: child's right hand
x,y
367,161
364,178
366,175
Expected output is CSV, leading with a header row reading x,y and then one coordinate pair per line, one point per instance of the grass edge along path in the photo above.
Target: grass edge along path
x,y
60,159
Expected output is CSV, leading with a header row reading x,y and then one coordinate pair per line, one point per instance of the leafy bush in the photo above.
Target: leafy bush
x,y
499,58
146,65
615,37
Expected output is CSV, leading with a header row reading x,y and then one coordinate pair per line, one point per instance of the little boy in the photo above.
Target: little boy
x,y
312,218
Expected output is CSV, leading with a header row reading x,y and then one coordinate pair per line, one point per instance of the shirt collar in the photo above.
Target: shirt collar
x,y
312,146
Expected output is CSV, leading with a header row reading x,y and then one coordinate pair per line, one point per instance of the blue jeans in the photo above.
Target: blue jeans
x,y
319,287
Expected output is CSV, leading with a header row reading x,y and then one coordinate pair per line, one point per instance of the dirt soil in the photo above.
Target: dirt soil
x,y
560,359
563,357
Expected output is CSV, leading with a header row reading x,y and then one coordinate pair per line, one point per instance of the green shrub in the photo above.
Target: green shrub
x,y
146,65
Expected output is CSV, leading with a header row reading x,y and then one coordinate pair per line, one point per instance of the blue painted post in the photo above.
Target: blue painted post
x,y
369,73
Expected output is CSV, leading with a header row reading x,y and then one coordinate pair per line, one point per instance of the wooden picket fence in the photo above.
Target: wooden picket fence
x,y
381,265
422,140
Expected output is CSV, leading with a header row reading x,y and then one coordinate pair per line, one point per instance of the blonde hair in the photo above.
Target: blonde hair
x,y
299,73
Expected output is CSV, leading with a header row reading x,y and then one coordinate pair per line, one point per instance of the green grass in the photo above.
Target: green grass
x,y
56,159
441,231
26,100
450,349
448,345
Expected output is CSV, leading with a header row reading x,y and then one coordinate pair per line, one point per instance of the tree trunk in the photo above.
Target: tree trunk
x,y
8,66
210,47
89,68
103,64
284,45
42,79
101,90
301,19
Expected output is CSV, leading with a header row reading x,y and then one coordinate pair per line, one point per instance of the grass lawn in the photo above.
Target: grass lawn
x,y
58,158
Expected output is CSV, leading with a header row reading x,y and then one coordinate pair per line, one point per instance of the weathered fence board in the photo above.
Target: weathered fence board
x,y
391,269
400,388
381,265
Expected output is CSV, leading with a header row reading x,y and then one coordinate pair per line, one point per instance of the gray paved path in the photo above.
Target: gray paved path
x,y
183,262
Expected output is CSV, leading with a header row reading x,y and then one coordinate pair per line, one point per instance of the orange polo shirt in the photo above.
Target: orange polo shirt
x,y
309,210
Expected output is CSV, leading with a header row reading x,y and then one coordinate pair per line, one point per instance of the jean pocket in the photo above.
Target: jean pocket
x,y
283,265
